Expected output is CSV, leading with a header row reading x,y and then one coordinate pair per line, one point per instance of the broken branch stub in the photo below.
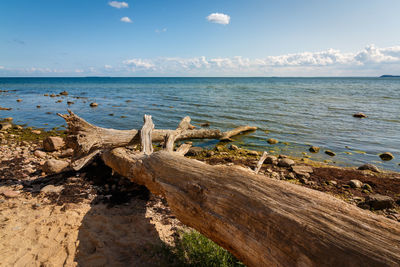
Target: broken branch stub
x,y
145,135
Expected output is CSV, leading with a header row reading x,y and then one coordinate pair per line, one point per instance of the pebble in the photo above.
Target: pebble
x,y
53,143
36,132
40,154
355,183
271,160
234,147
285,162
54,166
52,189
302,169
369,167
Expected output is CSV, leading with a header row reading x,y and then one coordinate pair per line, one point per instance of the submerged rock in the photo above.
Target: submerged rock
x,y
386,156
19,100
359,115
369,167
330,153
314,149
272,141
93,105
64,93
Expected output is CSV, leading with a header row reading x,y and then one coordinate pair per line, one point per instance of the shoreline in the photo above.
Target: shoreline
x,y
78,204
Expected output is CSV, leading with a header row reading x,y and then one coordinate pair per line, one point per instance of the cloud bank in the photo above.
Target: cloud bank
x,y
369,61
118,4
330,62
219,18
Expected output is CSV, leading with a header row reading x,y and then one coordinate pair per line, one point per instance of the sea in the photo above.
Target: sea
x,y
298,112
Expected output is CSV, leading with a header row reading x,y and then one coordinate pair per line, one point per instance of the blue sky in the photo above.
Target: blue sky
x,y
199,38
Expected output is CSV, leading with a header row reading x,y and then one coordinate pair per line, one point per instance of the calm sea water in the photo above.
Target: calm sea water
x,y
296,111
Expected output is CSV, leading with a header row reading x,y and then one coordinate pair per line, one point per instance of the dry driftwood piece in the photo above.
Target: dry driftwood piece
x,y
264,222
88,140
260,162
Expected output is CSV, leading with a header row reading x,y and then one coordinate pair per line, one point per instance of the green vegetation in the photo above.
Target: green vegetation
x,y
194,249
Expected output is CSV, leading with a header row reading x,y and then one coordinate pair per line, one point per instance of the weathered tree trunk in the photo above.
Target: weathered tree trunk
x,y
89,140
264,222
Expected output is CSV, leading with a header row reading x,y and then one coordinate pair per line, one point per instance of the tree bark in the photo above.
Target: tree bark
x,y
263,222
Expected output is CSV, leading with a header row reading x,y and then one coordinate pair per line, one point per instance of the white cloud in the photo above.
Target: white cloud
x,y
160,31
118,4
2,67
219,18
126,19
371,60
139,64
107,67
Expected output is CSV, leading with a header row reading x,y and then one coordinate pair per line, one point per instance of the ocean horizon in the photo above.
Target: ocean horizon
x,y
297,111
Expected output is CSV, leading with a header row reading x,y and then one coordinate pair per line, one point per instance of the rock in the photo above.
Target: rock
x,y
369,167
386,156
53,143
252,153
9,119
70,102
355,183
5,126
290,176
1,108
302,170
195,151
272,141
367,187
93,105
332,182
52,95
46,94
314,149
10,193
206,124
18,127
38,106
52,189
59,101
210,153
40,154
67,153
36,132
64,93
19,100
330,153
271,160
54,166
234,147
285,162
379,202
359,115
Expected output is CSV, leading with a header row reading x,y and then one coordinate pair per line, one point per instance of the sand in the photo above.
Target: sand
x,y
36,232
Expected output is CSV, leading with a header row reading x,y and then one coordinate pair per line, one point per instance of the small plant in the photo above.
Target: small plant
x,y
194,249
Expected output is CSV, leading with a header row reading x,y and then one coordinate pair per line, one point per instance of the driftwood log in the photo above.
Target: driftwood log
x,y
89,140
263,222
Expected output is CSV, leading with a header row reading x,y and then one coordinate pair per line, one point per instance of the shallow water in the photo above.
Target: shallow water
x,y
298,111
